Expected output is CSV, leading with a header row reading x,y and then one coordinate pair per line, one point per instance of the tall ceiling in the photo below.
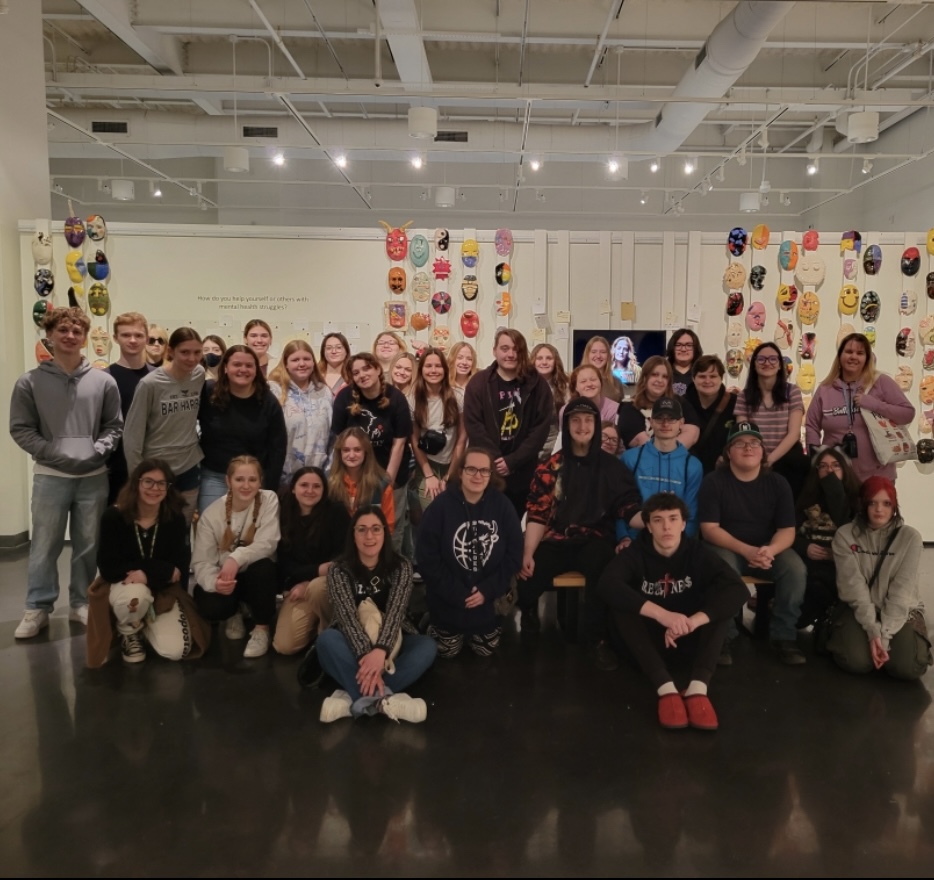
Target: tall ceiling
x,y
533,98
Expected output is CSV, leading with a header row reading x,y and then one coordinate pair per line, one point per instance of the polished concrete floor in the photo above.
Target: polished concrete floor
x,y
531,765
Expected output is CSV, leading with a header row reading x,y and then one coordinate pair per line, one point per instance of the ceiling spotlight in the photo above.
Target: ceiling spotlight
x,y
654,165
540,195
764,139
417,162
721,173
202,204
765,187
764,201
867,166
535,164
679,208
155,190
690,164
642,198
741,158
813,165
340,161
785,199
613,166
706,187
278,159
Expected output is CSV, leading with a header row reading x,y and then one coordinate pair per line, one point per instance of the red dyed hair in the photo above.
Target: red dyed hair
x,y
873,486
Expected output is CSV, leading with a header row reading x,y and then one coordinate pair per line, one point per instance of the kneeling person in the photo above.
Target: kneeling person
x,y
671,591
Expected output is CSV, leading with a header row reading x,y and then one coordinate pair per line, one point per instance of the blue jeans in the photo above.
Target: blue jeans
x,y
213,486
338,661
789,575
57,503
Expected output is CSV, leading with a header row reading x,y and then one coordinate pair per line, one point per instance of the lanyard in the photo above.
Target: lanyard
x,y
848,397
139,540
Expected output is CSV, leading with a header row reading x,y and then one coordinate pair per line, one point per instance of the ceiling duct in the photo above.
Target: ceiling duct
x,y
730,49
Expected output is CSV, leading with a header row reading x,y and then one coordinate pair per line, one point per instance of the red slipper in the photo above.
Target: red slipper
x,y
701,713
671,712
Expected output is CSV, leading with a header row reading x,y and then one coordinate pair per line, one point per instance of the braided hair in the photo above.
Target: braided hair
x,y
228,541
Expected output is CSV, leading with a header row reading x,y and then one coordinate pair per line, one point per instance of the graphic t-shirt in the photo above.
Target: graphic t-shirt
x,y
508,412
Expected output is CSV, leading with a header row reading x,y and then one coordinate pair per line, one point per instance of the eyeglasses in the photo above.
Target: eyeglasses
x,y
332,349
156,340
610,438
368,530
148,483
472,471
767,360
830,466
749,444
684,345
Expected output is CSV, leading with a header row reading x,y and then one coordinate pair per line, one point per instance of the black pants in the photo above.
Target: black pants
x,y
588,557
256,587
645,640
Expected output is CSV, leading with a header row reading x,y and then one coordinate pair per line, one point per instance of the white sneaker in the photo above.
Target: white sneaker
x,y
335,707
258,643
402,707
79,615
34,620
234,628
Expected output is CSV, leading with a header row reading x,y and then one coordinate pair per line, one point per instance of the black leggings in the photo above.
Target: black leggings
x,y
645,640
256,587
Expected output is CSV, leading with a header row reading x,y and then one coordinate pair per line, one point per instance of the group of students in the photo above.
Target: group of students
x,y
324,482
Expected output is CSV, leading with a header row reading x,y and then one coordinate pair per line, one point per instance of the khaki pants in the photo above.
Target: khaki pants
x,y
300,620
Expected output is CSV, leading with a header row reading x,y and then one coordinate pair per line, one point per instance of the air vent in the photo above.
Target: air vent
x,y
260,131
110,127
451,137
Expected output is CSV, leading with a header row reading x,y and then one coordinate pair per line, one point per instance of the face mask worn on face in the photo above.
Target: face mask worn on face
x,y
212,360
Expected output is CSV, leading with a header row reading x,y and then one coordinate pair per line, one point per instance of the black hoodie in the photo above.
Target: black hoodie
x,y
693,579
581,496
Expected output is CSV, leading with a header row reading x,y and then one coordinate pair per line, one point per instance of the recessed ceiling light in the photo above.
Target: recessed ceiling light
x,y
613,166
654,165
535,164
417,162
340,161
813,166
278,159
690,164
643,199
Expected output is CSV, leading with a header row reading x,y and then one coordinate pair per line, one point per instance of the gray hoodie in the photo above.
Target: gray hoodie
x,y
883,610
69,422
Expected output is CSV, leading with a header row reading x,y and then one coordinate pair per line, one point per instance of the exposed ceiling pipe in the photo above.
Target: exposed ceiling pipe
x,y
522,44
614,11
120,152
522,145
276,38
730,49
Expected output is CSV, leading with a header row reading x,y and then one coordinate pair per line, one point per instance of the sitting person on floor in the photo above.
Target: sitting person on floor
x,y
235,549
669,591
575,498
143,558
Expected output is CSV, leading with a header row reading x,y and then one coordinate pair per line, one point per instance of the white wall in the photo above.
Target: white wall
x,y
311,279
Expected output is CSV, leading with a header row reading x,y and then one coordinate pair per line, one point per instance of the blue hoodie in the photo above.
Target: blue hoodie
x,y
677,471
461,546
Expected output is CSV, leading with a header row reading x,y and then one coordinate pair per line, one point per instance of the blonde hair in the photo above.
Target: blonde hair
x,y
130,319
280,375
452,360
228,540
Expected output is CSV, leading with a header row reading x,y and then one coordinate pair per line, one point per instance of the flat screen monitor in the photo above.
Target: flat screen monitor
x,y
624,343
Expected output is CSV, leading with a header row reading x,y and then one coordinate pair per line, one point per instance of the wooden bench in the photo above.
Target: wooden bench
x,y
762,592
569,586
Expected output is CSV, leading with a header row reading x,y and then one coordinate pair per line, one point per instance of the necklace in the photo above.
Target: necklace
x,y
139,539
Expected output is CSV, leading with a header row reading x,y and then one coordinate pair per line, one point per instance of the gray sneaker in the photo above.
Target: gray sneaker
x,y
131,646
789,652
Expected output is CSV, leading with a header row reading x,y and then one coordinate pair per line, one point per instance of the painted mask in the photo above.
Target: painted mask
x,y
441,268
76,267
869,331
503,242
736,241
784,335
844,331
926,390
40,308
908,302
734,276
757,277
734,362
421,286
787,297
905,343
926,330
470,252
440,337
904,377
752,343
808,346
811,240
419,251
99,267
734,335
43,282
810,269
848,302
503,273
420,321
851,241
96,227
504,304
911,262
442,239
872,260
760,237
100,341
755,317
470,324
397,242
74,231
397,280
735,303
441,302
806,377
930,242
98,299
808,307
42,249
869,306
396,315
849,269
470,287
788,255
